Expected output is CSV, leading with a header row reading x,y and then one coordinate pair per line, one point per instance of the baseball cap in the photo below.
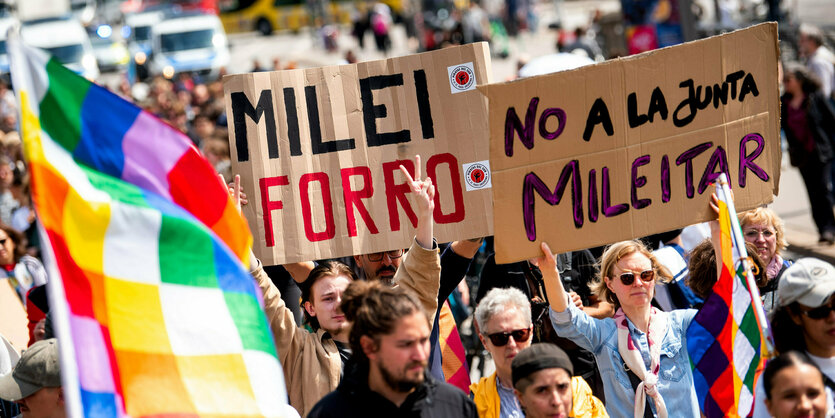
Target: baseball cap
x,y
538,357
37,368
808,281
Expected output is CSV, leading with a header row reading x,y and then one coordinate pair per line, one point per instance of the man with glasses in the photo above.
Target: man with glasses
x,y
504,323
380,266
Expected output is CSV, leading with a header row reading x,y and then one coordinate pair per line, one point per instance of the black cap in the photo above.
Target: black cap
x,y
538,357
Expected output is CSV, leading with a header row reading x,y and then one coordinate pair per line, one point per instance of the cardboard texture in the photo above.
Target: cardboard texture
x,y
318,152
646,167
14,323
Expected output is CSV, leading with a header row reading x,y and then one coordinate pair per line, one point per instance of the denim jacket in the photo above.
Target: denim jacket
x,y
600,336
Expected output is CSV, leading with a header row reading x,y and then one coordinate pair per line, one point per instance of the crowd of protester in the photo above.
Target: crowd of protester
x,y
591,333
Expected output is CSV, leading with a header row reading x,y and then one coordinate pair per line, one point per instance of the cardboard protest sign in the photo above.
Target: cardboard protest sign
x,y
14,323
628,148
318,151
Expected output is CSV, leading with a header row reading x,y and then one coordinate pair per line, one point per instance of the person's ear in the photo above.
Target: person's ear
x,y
608,282
369,347
482,339
519,397
357,260
308,307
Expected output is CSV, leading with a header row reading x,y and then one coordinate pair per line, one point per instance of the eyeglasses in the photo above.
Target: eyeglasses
x,y
629,277
820,312
375,257
754,233
500,339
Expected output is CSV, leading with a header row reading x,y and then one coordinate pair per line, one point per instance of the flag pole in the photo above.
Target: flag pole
x,y
723,191
55,288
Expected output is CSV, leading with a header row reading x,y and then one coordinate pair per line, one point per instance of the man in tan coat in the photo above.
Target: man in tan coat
x,y
313,362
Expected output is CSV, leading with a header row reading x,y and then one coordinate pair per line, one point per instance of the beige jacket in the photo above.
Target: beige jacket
x,y
311,362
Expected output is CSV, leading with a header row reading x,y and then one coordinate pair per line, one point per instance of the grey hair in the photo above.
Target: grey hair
x,y
498,300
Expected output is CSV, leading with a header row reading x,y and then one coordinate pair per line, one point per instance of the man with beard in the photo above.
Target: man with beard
x,y
387,375
313,361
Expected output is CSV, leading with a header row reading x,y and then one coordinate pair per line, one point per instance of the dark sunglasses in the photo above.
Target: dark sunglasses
x,y
3,241
500,339
628,278
820,312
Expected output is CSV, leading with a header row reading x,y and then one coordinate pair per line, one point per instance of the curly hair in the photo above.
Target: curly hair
x,y
702,267
768,217
374,309
610,258
325,269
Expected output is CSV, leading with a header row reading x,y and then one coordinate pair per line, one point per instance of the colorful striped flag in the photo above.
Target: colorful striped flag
x,y
453,355
155,312
725,339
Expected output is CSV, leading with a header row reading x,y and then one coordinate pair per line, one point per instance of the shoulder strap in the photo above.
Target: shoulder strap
x,y
635,381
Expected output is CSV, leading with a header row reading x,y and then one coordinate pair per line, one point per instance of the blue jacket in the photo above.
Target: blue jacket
x,y
600,336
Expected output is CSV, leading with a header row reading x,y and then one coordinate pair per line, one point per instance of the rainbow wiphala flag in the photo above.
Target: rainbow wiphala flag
x,y
725,340
155,312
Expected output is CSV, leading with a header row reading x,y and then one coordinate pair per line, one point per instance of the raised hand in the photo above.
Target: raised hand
x,y
235,192
423,190
424,193
547,263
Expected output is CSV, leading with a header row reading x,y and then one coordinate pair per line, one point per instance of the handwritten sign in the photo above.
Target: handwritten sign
x,y
629,147
318,151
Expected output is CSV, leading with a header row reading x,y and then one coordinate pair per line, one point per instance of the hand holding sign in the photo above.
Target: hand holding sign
x,y
424,192
554,290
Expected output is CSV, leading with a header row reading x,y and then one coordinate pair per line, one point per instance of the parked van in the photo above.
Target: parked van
x,y
189,43
66,40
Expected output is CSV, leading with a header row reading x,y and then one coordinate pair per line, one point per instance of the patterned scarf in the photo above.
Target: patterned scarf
x,y
631,354
774,266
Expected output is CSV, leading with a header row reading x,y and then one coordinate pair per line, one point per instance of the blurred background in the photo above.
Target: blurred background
x,y
133,41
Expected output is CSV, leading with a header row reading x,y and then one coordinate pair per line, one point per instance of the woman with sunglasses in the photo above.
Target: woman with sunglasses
x,y
503,318
504,325
640,352
805,320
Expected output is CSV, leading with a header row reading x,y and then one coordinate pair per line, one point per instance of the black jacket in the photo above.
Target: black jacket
x,y
353,398
821,119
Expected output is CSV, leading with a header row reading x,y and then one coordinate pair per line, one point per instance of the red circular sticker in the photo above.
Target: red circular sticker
x,y
462,78
477,175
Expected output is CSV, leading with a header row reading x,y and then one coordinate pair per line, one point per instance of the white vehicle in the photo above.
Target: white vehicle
x,y
139,39
66,40
193,43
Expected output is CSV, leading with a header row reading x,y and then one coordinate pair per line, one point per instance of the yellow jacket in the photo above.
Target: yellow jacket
x,y
584,404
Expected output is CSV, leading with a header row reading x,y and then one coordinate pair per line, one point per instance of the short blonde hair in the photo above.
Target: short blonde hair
x,y
768,217
610,258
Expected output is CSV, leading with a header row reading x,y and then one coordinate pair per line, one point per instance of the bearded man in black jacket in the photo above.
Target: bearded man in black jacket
x,y
387,375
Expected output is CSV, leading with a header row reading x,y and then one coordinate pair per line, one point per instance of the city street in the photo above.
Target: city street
x,y
306,50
